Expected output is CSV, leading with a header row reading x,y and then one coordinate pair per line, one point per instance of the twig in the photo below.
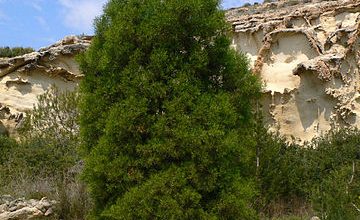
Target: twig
x,y
353,172
357,209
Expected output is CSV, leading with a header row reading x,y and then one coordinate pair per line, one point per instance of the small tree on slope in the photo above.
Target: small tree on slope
x,y
166,105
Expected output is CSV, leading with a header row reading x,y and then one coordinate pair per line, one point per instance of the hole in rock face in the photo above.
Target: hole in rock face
x,y
3,130
292,44
248,43
62,61
313,104
336,82
19,90
347,19
288,49
23,88
298,22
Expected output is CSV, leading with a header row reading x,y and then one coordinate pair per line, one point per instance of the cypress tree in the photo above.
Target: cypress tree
x,y
166,106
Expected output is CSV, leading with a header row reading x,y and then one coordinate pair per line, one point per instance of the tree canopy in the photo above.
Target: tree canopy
x,y
166,106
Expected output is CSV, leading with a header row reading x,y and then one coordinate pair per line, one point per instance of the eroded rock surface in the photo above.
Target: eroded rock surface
x,y
308,55
15,209
25,77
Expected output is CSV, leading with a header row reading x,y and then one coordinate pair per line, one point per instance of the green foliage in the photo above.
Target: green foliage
x,y
14,51
54,118
166,114
44,162
335,171
277,161
323,174
280,174
49,133
335,197
5,146
48,136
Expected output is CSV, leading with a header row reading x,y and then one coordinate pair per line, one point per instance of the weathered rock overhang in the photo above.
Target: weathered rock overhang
x,y
306,53
24,78
308,57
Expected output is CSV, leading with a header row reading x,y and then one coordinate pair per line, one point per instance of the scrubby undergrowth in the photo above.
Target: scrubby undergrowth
x,y
44,161
291,182
14,51
321,178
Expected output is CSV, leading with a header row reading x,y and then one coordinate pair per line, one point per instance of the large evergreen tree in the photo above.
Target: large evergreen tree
x,y
166,105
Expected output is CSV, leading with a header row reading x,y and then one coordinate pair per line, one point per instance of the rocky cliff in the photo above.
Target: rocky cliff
x,y
25,77
307,53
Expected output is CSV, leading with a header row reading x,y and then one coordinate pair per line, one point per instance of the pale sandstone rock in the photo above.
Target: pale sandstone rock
x,y
25,77
11,209
308,56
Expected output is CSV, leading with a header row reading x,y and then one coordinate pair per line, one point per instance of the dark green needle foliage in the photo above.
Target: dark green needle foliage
x,y
166,114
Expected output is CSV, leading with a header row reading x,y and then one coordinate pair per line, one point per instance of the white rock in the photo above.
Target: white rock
x,y
301,51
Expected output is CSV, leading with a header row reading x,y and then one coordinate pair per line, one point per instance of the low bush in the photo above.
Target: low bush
x,y
323,175
280,174
14,51
44,161
335,190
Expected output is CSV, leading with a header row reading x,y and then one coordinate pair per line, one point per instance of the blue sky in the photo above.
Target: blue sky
x,y
38,23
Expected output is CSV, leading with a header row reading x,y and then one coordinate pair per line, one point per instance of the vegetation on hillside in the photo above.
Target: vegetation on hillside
x,y
168,131
14,51
44,161
320,179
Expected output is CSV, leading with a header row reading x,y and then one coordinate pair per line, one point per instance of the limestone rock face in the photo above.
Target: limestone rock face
x,y
308,55
25,77
11,208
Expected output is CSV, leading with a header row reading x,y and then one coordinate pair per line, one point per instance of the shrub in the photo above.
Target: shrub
x,y
6,144
337,195
49,133
335,187
281,174
166,112
6,147
45,161
14,51
323,174
54,118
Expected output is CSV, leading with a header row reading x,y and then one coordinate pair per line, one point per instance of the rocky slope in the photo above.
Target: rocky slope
x,y
25,77
308,55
